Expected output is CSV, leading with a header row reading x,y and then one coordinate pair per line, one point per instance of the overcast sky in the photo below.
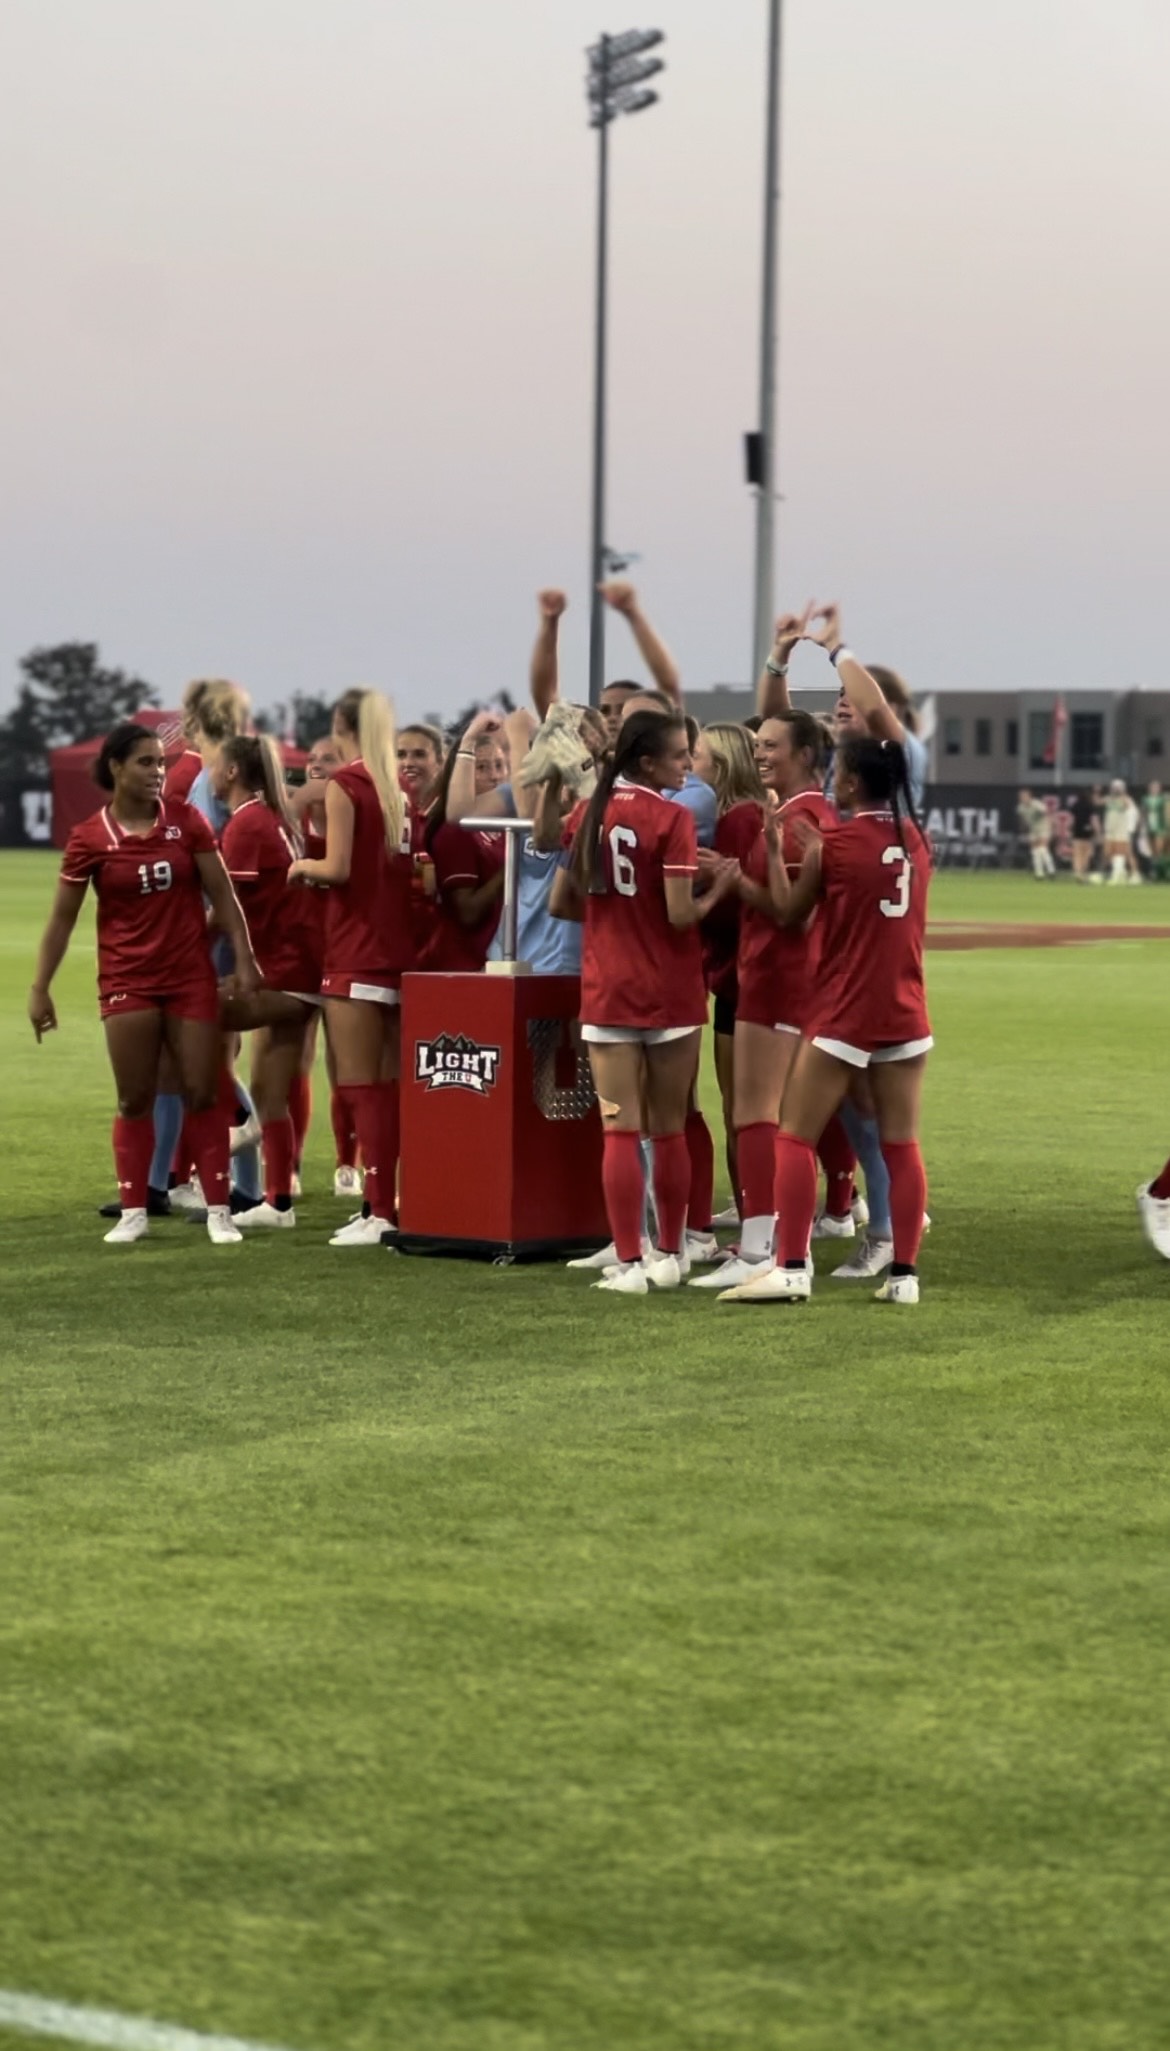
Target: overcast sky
x,y
296,344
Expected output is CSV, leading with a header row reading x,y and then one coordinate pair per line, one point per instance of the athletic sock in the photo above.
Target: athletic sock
x,y
1160,1187
907,1198
344,1133
898,1268
300,1110
374,1108
701,1154
796,1197
278,1140
133,1147
245,1163
168,1124
624,1187
674,1177
210,1145
868,1146
757,1173
837,1158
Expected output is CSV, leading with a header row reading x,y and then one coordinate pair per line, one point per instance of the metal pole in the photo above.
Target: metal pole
x,y
597,545
765,494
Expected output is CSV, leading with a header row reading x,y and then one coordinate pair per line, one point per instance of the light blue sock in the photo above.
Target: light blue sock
x,y
168,1124
247,1178
647,1149
866,1144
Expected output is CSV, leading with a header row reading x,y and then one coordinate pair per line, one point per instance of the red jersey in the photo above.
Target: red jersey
x,y
367,918
182,773
286,928
777,965
735,835
872,919
463,861
151,926
636,968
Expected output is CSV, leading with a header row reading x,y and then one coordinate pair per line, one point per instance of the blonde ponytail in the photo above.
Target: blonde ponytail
x,y
378,743
261,771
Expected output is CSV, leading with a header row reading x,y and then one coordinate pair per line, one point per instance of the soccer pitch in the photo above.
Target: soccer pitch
x,y
413,1656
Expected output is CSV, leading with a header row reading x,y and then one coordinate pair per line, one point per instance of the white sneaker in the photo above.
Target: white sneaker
x,y
1155,1213
873,1257
897,1289
859,1211
775,1285
725,1221
667,1270
188,1196
266,1216
702,1246
134,1225
605,1257
731,1273
245,1135
222,1229
361,1232
296,1189
625,1281
834,1228
346,1182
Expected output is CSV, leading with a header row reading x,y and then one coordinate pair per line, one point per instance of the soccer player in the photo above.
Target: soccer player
x,y
1154,1205
420,761
288,939
777,975
307,803
151,861
631,877
469,865
367,867
868,881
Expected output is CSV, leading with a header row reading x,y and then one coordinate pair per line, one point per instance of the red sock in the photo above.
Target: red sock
x,y
796,1196
839,1162
374,1107
674,1183
622,1182
757,1168
344,1130
300,1110
1161,1188
903,1158
210,1144
132,1159
701,1153
279,1142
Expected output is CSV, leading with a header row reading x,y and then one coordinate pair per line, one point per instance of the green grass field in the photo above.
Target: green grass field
x,y
404,1656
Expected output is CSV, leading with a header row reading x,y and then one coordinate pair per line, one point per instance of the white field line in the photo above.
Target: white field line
x,y
34,2017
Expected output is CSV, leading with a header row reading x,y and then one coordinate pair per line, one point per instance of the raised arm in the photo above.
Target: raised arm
x,y
544,671
863,691
620,593
519,728
462,802
51,953
226,914
772,693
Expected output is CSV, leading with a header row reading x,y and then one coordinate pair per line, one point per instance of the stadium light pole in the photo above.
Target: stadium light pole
x,y
761,446
616,84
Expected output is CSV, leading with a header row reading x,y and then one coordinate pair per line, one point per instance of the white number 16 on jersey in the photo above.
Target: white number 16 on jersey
x,y
896,907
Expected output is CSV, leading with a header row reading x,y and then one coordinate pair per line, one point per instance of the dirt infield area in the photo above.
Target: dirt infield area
x,y
959,933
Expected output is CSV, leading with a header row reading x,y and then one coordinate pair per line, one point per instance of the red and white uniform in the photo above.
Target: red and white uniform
x,y
870,996
181,774
368,944
639,972
735,835
152,938
463,861
286,924
778,965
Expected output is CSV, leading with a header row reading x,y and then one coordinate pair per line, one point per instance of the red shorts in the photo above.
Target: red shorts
x,y
374,989
198,999
768,1003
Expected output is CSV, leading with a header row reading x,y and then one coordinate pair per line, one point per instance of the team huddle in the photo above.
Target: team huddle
x,y
775,871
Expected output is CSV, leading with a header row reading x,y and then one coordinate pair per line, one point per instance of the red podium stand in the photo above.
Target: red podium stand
x,y
501,1141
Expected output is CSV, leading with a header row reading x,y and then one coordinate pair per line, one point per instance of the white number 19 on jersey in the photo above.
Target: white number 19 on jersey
x,y
896,907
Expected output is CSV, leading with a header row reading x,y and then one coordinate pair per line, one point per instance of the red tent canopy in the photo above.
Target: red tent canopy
x,y
76,795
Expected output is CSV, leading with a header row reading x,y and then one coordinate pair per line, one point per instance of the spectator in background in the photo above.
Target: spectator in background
x,y
1121,823
1154,818
1086,829
1035,822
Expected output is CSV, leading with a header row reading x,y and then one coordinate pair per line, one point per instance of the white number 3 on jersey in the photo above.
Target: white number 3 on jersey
x,y
896,907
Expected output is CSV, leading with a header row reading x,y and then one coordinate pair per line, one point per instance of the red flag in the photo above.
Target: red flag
x,y
1059,722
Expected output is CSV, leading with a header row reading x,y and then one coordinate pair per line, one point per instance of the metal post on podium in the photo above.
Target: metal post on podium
x,y
510,914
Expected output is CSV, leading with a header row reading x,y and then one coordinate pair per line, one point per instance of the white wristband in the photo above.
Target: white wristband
x,y
842,654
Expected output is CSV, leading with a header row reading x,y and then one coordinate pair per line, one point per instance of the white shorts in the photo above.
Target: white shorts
x,y
303,997
365,993
863,1057
639,1036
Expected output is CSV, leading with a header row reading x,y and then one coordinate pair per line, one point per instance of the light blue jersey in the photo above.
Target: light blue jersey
x,y
701,803
551,946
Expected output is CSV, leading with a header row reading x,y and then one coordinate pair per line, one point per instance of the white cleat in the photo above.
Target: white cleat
x,y
897,1289
133,1225
667,1270
222,1229
266,1217
859,1211
775,1285
702,1246
730,1274
725,1221
606,1257
361,1232
1155,1213
834,1228
188,1196
346,1182
872,1258
245,1135
625,1281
